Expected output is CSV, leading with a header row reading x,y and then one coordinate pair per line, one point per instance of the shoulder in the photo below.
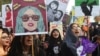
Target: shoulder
x,y
64,46
65,51
94,23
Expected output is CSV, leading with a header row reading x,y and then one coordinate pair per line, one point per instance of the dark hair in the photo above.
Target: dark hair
x,y
55,2
0,24
51,36
71,25
5,30
57,19
17,46
8,7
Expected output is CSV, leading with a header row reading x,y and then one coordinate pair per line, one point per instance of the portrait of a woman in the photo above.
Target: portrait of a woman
x,y
8,18
58,15
51,10
29,19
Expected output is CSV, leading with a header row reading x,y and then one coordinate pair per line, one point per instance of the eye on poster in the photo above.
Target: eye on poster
x,y
29,17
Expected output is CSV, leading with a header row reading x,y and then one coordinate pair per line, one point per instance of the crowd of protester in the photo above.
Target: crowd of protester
x,y
74,42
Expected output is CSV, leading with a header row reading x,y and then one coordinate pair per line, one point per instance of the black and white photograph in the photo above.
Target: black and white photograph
x,y
56,9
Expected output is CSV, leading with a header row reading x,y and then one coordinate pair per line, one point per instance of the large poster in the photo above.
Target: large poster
x,y
56,9
29,17
87,8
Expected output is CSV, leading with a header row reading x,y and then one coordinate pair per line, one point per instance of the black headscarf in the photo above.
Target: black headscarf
x,y
54,42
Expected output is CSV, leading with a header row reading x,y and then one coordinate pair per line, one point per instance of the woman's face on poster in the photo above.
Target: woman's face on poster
x,y
28,40
53,5
55,34
30,20
58,14
5,40
7,9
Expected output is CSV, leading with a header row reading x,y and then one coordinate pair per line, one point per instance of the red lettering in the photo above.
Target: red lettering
x,y
54,26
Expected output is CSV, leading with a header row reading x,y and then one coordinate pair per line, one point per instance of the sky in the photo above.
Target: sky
x,y
71,3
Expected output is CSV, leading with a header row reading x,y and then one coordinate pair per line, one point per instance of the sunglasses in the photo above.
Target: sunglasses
x,y
25,18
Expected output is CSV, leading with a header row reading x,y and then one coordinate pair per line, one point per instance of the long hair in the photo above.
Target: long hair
x,y
19,26
17,46
8,7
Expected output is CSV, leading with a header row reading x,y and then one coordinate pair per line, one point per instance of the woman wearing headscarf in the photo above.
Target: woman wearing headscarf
x,y
54,45
69,47
75,43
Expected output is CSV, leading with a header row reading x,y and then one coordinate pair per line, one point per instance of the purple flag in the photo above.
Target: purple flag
x,y
88,46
